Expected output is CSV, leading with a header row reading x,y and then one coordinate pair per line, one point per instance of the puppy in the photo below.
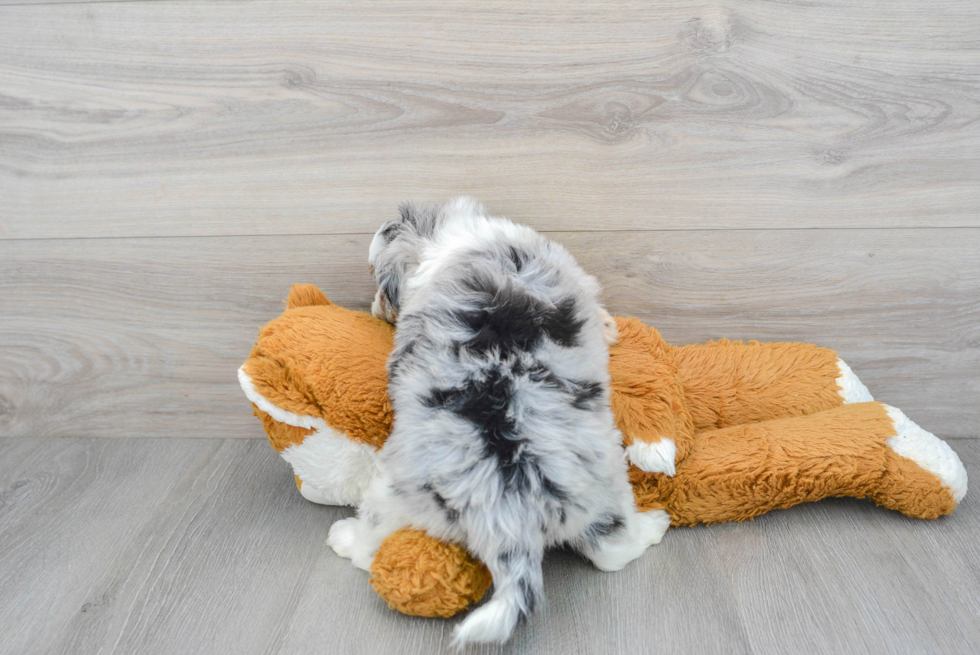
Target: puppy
x,y
503,440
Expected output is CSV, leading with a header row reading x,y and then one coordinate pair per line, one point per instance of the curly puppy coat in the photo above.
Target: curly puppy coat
x,y
503,438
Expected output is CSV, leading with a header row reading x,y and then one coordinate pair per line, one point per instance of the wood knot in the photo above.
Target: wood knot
x,y
831,157
711,33
618,121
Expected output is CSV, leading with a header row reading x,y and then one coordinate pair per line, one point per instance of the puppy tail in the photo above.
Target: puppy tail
x,y
518,589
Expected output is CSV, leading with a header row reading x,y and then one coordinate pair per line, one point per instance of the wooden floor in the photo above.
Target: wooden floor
x,y
797,170
204,546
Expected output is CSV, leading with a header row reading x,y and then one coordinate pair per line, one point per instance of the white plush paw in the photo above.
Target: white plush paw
x,y
317,495
653,526
653,457
610,330
343,536
928,451
852,390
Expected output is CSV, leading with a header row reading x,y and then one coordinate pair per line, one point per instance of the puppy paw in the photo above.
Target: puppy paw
x,y
653,526
342,537
610,331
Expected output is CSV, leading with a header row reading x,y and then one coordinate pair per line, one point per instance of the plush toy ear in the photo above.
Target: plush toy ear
x,y
305,295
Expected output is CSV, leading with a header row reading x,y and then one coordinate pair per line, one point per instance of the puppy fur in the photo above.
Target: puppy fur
x,y
503,438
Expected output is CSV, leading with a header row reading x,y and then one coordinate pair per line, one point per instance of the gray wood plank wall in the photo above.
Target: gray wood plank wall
x,y
798,171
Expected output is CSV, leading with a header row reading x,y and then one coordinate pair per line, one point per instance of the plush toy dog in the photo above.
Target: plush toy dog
x,y
723,431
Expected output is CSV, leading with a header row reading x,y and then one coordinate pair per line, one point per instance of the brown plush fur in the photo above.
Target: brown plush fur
x,y
740,472
758,426
322,360
730,383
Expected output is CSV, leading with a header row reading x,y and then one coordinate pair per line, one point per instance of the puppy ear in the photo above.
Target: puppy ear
x,y
387,301
394,255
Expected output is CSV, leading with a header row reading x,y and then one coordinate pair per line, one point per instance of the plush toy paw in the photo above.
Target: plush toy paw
x,y
928,451
653,457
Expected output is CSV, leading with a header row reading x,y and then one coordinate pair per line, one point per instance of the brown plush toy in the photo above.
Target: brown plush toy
x,y
718,432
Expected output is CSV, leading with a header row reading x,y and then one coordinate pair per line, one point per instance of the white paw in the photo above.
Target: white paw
x,y
362,559
928,451
342,537
653,526
610,331
655,457
852,390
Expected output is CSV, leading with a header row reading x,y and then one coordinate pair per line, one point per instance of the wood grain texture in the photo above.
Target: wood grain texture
x,y
151,546
142,337
223,118
68,510
165,546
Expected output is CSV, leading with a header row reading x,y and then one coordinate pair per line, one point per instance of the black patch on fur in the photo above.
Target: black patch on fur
x,y
606,526
522,474
584,393
486,404
398,358
508,319
527,595
553,489
517,258
562,326
538,372
452,514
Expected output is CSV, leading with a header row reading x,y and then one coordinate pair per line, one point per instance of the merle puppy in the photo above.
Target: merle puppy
x,y
504,440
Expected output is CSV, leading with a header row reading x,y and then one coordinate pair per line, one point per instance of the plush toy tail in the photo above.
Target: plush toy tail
x,y
305,295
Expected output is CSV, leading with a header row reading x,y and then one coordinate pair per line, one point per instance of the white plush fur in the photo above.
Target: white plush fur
x,y
928,451
654,457
334,469
852,390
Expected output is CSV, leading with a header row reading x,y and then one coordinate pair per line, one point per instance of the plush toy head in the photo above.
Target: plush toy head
x,y
316,379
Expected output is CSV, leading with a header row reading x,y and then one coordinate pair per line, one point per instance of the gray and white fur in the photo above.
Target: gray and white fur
x,y
503,439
